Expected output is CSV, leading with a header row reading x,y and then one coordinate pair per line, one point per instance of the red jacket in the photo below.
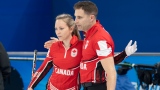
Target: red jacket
x,y
65,65
98,44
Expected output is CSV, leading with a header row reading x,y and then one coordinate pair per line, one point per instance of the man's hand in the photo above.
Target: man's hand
x,y
49,43
130,49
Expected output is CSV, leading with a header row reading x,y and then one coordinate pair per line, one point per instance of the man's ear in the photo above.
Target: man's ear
x,y
92,17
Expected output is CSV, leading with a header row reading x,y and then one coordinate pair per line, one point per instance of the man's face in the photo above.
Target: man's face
x,y
82,20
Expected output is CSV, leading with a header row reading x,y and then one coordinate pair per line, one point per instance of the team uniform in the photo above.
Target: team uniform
x,y
97,45
65,65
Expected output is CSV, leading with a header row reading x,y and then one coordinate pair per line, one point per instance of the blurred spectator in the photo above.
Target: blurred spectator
x,y
5,68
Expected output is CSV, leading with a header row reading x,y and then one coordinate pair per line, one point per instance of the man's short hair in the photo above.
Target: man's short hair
x,y
88,7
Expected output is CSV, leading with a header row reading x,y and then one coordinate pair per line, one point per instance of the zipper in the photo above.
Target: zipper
x,y
65,54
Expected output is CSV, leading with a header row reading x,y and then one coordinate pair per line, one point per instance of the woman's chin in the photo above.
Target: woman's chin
x,y
60,39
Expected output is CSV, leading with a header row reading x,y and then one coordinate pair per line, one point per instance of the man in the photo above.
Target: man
x,y
98,49
5,68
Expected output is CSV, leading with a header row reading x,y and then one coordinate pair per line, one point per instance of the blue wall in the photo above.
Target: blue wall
x,y
26,24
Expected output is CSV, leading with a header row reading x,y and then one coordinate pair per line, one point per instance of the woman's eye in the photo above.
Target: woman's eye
x,y
61,28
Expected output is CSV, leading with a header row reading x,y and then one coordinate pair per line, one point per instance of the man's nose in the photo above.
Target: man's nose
x,y
76,21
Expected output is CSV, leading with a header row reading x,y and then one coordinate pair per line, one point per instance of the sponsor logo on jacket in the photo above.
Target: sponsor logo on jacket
x,y
74,52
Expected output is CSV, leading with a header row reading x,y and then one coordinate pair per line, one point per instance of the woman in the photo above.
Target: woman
x,y
64,56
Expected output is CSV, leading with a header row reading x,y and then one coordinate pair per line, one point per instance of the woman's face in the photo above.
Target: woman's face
x,y
62,31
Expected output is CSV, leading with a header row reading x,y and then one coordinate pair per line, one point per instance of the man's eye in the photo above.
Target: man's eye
x,y
79,17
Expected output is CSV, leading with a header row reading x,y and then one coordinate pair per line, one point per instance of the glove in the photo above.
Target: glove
x,y
29,89
130,49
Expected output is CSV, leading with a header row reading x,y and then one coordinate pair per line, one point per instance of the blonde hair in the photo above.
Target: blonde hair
x,y
68,19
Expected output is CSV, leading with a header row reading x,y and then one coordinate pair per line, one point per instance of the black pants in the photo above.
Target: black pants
x,y
100,86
